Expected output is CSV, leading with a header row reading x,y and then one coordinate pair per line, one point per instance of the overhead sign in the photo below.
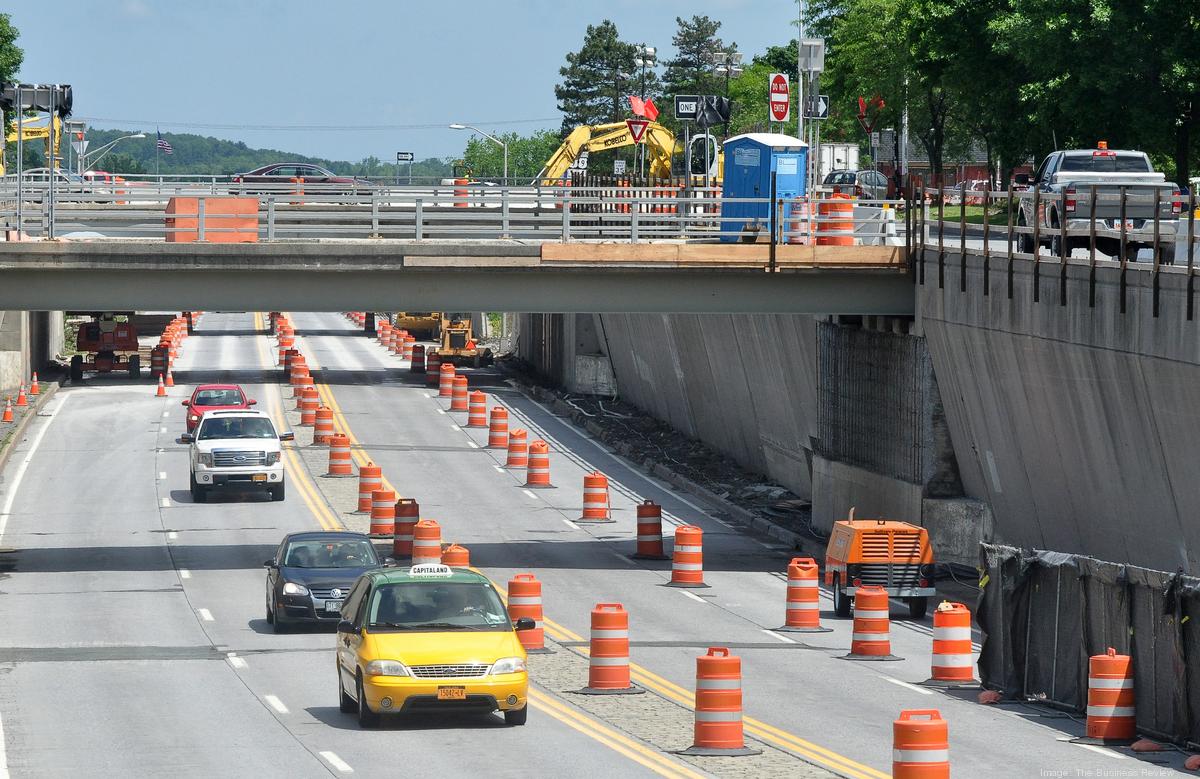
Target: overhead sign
x,y
812,55
404,156
637,128
687,107
816,106
780,97
618,167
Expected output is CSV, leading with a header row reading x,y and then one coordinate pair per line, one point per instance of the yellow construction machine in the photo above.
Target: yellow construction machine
x,y
47,129
458,345
660,145
422,325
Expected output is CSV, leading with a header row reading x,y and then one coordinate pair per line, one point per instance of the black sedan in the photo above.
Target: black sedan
x,y
311,573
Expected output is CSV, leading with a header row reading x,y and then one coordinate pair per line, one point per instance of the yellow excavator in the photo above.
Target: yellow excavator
x,y
42,128
661,147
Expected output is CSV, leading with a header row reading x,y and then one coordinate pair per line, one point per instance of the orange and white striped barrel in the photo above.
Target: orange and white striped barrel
x,y
477,410
304,382
408,513
649,531
433,368
525,600
718,727
298,371
537,472
920,745
384,334
416,361
456,556
458,395
803,597
608,657
427,542
835,222
518,450
309,403
687,561
396,342
370,478
872,632
446,380
1111,707
408,346
596,506
383,513
323,426
498,428
288,356
339,456
953,660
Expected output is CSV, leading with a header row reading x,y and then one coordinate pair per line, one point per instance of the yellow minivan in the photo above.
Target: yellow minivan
x,y
429,638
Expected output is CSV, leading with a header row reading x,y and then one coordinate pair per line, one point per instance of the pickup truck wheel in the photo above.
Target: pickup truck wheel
x,y
277,492
917,607
77,368
841,602
199,493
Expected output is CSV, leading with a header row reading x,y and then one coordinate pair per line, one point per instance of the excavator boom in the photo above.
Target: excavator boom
x,y
660,145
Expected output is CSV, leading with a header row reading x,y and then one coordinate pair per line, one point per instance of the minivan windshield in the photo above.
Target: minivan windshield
x,y
437,606
235,427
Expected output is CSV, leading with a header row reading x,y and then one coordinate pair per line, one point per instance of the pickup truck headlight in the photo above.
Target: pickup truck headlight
x,y
291,588
205,458
507,665
386,668
194,417
272,458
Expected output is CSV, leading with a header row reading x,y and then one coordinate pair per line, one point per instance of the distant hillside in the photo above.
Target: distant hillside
x,y
215,156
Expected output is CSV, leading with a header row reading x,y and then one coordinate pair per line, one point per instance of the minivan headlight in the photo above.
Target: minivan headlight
x,y
291,588
272,458
205,458
508,665
386,668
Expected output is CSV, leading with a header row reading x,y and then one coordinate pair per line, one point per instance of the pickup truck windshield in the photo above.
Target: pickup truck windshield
x,y
236,427
1112,163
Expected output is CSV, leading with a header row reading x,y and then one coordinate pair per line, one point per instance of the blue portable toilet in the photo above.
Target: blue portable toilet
x,y
750,160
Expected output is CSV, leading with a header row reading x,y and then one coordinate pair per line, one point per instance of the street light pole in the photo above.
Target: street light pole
x,y
503,145
105,149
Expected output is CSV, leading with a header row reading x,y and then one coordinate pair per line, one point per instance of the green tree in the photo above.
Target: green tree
x,y
526,154
123,164
11,57
690,71
598,78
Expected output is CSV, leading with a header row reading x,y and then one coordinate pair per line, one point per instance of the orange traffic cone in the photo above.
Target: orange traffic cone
x,y
34,389
170,379
8,415
162,390
21,399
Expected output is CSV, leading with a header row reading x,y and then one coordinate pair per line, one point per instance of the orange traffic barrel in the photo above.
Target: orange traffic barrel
x,y
427,542
687,561
871,638
409,345
339,456
417,361
518,450
458,397
323,426
498,428
798,228
370,478
408,513
835,225
1111,707
596,505
433,371
649,531
525,600
608,654
477,410
920,745
803,603
456,556
309,403
158,362
289,359
384,334
304,382
383,513
953,662
446,380
461,193
298,371
718,727
537,472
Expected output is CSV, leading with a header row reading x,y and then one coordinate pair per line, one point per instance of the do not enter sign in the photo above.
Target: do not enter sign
x,y
780,97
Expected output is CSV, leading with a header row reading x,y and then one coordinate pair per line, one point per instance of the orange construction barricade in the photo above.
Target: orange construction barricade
x,y
608,655
537,473
458,395
835,223
687,561
339,456
477,409
446,382
872,632
518,450
525,600
498,428
433,371
1111,706
383,513
920,745
649,531
309,403
408,513
417,361
456,556
596,505
803,598
370,478
953,661
408,345
323,426
718,728
427,542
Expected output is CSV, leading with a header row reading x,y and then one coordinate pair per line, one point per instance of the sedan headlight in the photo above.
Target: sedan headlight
x,y
205,458
386,668
291,588
508,665
272,458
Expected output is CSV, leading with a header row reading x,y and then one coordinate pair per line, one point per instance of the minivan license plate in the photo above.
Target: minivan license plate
x,y
452,693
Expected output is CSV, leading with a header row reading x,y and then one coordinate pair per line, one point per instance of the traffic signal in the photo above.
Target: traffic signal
x,y
714,110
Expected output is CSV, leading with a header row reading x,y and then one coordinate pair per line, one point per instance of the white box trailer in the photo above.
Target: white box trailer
x,y
837,156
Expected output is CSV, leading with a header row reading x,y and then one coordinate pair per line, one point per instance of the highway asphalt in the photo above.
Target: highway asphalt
x,y
135,642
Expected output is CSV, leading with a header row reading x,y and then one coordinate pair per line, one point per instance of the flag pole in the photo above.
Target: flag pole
x,y
157,151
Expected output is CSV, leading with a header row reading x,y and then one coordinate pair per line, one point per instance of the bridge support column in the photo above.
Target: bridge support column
x,y
28,341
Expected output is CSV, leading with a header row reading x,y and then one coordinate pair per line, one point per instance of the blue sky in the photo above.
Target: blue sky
x,y
248,64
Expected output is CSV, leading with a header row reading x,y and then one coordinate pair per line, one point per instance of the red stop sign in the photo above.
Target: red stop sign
x,y
780,97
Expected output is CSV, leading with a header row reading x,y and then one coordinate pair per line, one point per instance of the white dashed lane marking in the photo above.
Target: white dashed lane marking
x,y
205,615
336,762
275,704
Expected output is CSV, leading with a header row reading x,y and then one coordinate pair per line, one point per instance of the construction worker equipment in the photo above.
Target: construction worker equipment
x,y
477,410
339,456
518,450
658,140
596,505
649,531
383,514
608,654
525,600
420,324
323,426
537,473
718,728
953,661
920,745
1111,706
427,542
456,556
417,361
687,562
109,345
498,428
408,513
871,638
34,387
446,383
893,555
803,598
370,478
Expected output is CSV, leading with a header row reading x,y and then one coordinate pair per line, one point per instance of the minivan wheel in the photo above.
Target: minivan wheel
x,y
366,717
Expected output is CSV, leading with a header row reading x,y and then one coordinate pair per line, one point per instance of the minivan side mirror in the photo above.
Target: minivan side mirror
x,y
525,623
1022,179
288,436
346,626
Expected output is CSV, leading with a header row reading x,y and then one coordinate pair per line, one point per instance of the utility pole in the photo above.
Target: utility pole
x,y
800,73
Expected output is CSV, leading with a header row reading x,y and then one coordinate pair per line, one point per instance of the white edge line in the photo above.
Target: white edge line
x,y
276,704
166,503
236,662
441,411
15,485
693,596
498,469
908,686
472,444
782,638
336,762
530,494
162,475
184,573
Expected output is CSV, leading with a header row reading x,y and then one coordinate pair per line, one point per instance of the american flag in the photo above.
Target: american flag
x,y
163,145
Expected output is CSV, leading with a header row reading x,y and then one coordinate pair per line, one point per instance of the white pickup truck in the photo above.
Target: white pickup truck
x,y
238,449
1065,182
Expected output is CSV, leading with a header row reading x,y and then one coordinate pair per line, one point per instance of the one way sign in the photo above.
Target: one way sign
x,y
816,106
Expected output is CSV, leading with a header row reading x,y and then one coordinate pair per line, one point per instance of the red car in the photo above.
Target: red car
x,y
214,397
283,174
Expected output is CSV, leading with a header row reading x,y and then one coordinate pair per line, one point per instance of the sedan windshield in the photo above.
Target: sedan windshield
x,y
319,553
236,427
441,606
218,397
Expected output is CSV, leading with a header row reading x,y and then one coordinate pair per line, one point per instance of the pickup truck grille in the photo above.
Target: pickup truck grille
x,y
232,458
448,671
890,575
